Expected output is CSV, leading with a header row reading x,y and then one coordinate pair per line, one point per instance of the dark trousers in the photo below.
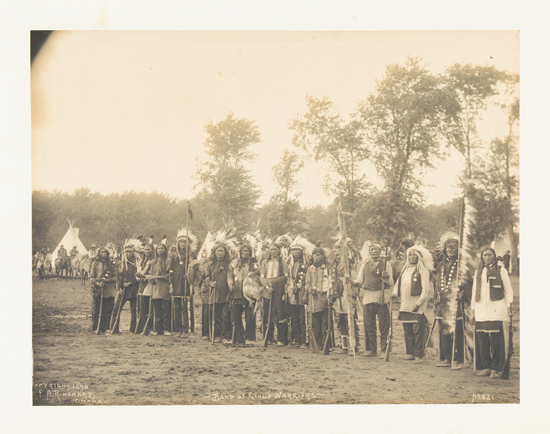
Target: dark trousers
x,y
490,350
106,312
446,343
250,320
282,327
162,315
143,308
120,301
206,319
298,321
415,337
181,314
319,324
222,321
237,323
370,312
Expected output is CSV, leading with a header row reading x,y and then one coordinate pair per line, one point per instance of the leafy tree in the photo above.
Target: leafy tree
x,y
472,88
325,135
403,118
225,181
434,220
320,224
283,213
497,187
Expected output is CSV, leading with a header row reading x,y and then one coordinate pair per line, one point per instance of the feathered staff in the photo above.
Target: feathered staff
x,y
345,264
466,272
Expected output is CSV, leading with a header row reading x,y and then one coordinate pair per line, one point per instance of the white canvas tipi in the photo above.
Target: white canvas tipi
x,y
69,241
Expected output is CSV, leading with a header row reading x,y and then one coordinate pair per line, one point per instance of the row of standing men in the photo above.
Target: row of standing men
x,y
297,284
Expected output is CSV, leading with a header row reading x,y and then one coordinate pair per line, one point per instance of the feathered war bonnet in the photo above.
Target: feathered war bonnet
x,y
425,259
302,244
132,244
226,239
185,233
446,239
286,237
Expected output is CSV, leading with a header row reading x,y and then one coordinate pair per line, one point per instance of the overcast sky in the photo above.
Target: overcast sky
x,y
119,110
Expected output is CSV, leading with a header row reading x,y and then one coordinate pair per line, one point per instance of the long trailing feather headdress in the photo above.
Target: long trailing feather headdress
x,y
193,240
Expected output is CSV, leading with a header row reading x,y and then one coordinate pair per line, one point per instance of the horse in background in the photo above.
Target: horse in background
x,y
85,264
61,264
48,265
75,265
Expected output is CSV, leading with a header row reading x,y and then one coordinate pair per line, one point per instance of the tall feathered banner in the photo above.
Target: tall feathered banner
x,y
466,273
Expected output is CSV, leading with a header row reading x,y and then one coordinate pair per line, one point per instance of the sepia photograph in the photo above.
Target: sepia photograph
x,y
253,217
274,217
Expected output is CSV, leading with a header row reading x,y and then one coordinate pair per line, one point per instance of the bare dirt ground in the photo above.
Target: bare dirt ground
x,y
72,366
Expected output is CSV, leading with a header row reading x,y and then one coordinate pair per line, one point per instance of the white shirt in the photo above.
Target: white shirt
x,y
492,310
409,302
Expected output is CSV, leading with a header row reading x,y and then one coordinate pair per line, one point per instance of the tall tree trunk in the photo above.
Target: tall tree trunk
x,y
514,262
